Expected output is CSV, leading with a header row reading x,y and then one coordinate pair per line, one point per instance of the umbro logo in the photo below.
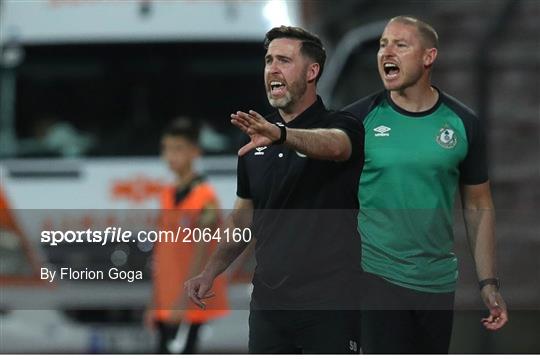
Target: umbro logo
x,y
382,131
259,150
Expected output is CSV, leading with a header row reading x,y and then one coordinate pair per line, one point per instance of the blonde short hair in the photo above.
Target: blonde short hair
x,y
428,35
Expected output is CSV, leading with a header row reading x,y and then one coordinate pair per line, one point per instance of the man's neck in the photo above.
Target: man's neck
x,y
289,114
418,98
185,178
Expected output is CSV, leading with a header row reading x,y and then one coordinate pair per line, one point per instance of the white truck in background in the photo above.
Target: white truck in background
x,y
52,52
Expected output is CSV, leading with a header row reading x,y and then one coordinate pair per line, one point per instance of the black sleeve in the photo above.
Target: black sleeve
x,y
242,180
361,108
473,169
354,128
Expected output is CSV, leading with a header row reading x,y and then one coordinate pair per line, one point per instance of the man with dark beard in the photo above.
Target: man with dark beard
x,y
298,194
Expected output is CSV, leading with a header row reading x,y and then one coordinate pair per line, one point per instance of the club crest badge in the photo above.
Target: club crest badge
x,y
447,138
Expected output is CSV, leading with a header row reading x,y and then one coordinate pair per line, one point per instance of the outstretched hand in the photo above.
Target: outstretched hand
x,y
260,131
498,314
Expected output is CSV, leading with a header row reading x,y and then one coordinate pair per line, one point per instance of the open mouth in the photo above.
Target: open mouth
x,y
277,88
391,70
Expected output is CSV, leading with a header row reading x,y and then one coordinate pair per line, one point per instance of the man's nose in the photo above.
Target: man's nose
x,y
387,51
272,68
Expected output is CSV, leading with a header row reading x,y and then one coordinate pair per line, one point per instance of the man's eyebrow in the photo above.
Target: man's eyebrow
x,y
281,57
385,40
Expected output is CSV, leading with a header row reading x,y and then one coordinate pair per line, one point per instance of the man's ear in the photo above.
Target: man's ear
x,y
312,72
429,57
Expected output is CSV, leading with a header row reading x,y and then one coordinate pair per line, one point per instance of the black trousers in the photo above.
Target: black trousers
x,y
398,320
167,333
304,332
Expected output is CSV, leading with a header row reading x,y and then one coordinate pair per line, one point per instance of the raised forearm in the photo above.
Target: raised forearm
x,y
330,144
322,144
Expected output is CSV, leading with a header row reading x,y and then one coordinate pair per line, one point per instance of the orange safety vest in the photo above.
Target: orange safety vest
x,y
9,224
6,220
173,262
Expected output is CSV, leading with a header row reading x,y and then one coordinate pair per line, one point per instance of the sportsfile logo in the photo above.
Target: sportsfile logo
x,y
382,131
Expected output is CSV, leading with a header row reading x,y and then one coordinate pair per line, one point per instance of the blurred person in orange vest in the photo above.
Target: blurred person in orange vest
x,y
189,203
19,261
6,219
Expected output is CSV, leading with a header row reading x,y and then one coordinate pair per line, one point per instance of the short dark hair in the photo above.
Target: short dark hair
x,y
429,36
183,127
312,45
